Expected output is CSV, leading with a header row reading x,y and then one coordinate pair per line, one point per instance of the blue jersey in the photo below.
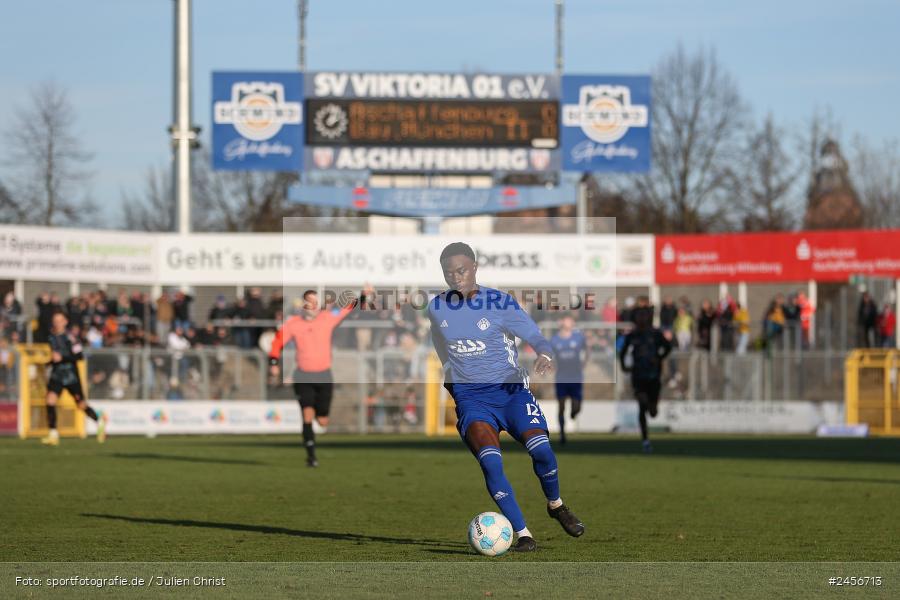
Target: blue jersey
x,y
476,340
568,354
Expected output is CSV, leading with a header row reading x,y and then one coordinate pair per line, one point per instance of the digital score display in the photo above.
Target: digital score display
x,y
331,122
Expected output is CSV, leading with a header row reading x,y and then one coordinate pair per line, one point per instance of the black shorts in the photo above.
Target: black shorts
x,y
313,390
56,386
646,391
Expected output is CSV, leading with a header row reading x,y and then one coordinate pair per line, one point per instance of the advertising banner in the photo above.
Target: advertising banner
x,y
735,416
335,259
257,121
421,202
789,256
150,417
63,254
9,418
413,160
605,123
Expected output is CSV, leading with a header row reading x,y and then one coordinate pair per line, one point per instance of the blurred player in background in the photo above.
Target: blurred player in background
x,y
474,329
65,352
311,332
571,351
649,347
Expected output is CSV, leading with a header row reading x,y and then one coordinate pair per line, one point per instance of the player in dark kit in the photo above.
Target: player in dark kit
x,y
66,351
649,347
474,331
571,352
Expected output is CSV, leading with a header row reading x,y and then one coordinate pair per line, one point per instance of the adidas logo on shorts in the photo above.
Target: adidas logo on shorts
x,y
535,420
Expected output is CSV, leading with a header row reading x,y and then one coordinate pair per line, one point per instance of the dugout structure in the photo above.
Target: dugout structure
x,y
33,373
872,390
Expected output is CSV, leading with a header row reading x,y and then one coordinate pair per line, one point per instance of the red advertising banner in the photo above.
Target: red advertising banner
x,y
791,256
9,419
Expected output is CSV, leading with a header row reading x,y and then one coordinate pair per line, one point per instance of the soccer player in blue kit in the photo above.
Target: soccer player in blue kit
x,y
571,352
474,331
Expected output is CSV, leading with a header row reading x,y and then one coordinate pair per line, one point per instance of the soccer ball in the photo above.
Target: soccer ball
x,y
490,533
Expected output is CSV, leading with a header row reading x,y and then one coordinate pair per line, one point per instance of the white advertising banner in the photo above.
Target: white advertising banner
x,y
152,417
61,254
351,260
735,416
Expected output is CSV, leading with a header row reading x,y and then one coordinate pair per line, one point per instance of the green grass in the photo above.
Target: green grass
x,y
377,498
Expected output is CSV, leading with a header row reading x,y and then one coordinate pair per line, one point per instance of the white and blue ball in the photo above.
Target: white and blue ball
x,y
490,533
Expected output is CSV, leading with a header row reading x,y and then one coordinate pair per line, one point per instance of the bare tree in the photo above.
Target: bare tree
x,y
239,200
154,208
876,171
46,162
765,180
698,115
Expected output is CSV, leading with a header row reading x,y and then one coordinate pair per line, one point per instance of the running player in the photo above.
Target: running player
x,y
571,352
311,333
649,347
474,329
65,352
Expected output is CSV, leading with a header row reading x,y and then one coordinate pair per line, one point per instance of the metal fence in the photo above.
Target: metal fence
x,y
384,390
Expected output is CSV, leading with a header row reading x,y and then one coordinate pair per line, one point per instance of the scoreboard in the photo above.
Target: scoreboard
x,y
432,122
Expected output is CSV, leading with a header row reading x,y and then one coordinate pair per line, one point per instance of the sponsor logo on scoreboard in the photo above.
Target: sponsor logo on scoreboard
x,y
604,113
257,121
257,110
605,123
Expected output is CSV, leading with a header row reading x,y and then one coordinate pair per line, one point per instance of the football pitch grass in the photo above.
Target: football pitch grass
x,y
388,514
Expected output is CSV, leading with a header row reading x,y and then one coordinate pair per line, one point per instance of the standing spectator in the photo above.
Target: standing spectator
x,y
256,310
684,327
866,321
165,314
742,325
807,311
626,315
47,305
705,320
887,326
725,317
239,313
219,310
276,304
773,323
667,313
10,311
177,344
792,318
181,307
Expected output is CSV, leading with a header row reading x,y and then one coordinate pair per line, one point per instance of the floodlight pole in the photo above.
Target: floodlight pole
x,y
302,11
559,38
183,135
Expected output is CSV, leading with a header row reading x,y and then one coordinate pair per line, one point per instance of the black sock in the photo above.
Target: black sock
x,y
642,419
309,440
90,412
51,416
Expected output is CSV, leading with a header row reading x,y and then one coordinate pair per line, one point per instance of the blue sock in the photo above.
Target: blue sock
x,y
498,486
544,462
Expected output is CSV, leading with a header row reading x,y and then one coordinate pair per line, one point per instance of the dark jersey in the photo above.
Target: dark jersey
x,y
648,349
65,371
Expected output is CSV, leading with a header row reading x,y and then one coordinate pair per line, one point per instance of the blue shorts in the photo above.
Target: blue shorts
x,y
509,408
569,389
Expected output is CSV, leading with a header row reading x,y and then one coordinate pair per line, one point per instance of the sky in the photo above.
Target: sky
x,y
114,57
